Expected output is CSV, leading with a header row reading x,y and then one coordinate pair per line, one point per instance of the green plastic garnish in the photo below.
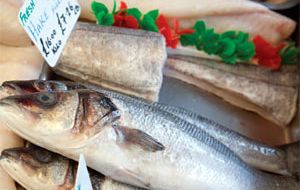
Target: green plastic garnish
x,y
289,54
229,46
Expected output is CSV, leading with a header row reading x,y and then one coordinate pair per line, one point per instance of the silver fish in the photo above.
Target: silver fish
x,y
258,155
133,143
39,169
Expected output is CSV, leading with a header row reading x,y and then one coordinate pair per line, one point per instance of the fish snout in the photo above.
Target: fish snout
x,y
10,153
20,87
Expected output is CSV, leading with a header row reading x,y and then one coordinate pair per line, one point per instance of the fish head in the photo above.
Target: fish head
x,y
59,116
38,168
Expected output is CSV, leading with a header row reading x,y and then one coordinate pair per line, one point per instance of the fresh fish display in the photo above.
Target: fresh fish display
x,y
130,61
223,15
133,143
273,95
256,154
11,32
39,169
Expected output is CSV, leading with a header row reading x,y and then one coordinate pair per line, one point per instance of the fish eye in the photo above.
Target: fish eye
x,y
43,156
47,99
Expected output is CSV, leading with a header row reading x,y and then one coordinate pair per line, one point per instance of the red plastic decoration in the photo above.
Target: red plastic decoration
x,y
266,54
172,38
124,20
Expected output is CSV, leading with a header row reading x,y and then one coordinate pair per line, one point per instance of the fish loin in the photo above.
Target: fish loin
x,y
36,168
128,61
271,95
141,145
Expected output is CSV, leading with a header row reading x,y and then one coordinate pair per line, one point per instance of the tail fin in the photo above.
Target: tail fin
x,y
293,157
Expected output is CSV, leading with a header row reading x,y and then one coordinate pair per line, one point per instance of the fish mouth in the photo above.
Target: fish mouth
x,y
20,87
10,154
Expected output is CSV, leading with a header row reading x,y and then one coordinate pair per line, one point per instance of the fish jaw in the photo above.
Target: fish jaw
x,y
5,92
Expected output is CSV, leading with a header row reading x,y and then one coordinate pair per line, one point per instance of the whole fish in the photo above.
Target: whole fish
x,y
130,61
258,155
133,143
39,169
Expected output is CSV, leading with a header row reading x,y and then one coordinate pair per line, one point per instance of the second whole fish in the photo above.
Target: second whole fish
x,y
39,169
132,143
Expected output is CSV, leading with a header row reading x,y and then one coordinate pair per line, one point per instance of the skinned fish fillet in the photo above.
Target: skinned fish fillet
x,y
130,61
272,95
7,140
20,63
16,63
11,32
223,15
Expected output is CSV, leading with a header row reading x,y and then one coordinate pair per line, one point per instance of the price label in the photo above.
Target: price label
x,y
83,181
49,24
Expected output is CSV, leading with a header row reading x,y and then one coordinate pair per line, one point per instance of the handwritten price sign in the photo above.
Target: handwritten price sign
x,y
49,24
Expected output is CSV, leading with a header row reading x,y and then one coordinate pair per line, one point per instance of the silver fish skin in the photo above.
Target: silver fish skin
x,y
255,154
37,168
136,144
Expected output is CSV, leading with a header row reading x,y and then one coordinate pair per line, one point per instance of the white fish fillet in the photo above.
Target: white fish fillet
x,y
11,32
223,15
7,140
271,95
16,63
19,63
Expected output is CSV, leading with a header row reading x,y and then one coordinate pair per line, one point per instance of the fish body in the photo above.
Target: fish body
x,y
258,155
222,15
36,168
132,143
273,95
126,60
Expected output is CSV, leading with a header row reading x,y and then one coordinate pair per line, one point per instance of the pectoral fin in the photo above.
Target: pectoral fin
x,y
137,137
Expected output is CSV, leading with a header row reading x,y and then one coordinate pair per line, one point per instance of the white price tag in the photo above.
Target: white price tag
x,y
49,24
83,181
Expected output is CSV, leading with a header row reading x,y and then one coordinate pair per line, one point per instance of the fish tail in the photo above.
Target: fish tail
x,y
293,157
